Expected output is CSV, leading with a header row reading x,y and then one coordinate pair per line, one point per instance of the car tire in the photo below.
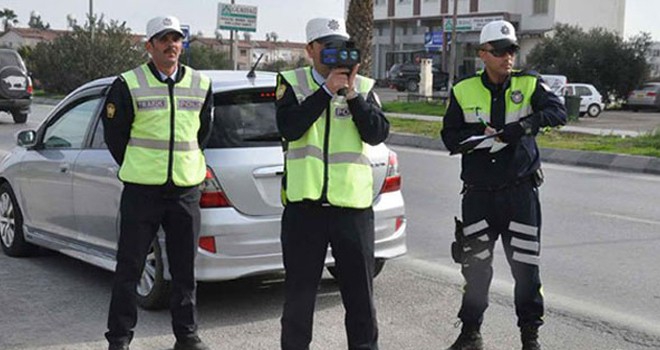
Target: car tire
x,y
12,235
153,291
378,268
6,90
19,117
593,110
412,86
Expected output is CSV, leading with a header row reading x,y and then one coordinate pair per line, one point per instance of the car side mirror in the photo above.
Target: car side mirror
x,y
26,138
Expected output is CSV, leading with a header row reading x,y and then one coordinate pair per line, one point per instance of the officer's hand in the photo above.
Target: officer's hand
x,y
489,131
337,79
351,78
512,132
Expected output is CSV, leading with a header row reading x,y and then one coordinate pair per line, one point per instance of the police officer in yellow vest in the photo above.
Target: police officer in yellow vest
x,y
327,188
156,121
501,178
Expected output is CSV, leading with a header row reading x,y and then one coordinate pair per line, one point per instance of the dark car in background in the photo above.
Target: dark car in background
x,y
15,86
405,76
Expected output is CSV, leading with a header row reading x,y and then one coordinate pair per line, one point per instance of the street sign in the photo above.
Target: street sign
x,y
237,17
186,35
467,24
432,40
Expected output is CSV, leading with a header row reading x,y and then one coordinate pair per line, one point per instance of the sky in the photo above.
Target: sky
x,y
285,17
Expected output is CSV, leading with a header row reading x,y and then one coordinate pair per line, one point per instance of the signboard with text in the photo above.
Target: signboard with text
x,y
237,17
469,24
433,40
186,35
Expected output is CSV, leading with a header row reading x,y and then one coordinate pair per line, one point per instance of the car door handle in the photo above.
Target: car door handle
x,y
270,171
64,167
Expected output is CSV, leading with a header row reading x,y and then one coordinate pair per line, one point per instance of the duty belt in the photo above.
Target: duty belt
x,y
498,187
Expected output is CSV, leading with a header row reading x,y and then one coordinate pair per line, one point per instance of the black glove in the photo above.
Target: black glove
x,y
512,132
529,125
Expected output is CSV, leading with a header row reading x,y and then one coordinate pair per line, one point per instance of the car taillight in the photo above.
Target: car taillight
x,y
207,243
399,222
212,194
650,94
393,177
29,87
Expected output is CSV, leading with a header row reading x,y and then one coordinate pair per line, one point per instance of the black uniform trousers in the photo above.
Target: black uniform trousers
x,y
143,210
306,231
514,213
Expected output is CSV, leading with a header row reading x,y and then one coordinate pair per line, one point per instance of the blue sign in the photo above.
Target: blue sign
x,y
186,35
432,40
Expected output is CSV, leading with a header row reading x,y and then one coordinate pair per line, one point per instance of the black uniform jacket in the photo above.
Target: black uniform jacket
x,y
117,128
519,159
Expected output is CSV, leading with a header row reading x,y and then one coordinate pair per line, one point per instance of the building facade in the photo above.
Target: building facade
x,y
407,29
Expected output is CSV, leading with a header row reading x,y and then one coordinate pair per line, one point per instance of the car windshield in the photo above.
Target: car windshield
x,y
9,59
244,118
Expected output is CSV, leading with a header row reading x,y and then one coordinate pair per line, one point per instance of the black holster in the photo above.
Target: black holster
x,y
457,252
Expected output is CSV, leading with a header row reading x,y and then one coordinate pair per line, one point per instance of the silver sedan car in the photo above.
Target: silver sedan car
x,y
59,189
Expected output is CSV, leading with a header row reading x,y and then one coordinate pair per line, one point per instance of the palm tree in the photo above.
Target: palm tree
x,y
9,19
360,25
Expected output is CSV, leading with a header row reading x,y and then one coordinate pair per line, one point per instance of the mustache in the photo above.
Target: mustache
x,y
170,49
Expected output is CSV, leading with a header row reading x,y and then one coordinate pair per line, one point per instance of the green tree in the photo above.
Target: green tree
x,y
204,57
283,65
599,57
36,21
9,19
360,26
74,58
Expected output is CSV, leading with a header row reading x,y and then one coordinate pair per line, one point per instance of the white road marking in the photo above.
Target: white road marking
x,y
626,218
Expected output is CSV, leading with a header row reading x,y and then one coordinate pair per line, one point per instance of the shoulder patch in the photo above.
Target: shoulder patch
x,y
110,110
279,93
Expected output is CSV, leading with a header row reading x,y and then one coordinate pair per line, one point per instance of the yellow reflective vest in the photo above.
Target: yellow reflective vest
x,y
330,153
164,129
475,99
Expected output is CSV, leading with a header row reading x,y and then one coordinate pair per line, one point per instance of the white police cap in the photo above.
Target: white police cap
x,y
162,25
499,33
326,28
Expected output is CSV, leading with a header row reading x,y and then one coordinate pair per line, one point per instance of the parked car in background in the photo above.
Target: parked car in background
x,y
405,76
15,86
556,83
591,101
59,189
646,97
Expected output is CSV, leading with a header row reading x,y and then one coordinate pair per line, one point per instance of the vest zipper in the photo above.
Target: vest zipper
x,y
326,145
170,156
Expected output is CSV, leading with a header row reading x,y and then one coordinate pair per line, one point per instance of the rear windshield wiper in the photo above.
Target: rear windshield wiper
x,y
273,136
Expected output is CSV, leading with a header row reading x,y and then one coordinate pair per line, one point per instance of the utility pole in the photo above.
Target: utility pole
x,y
233,37
91,24
452,55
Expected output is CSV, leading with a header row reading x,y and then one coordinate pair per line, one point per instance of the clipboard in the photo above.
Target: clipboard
x,y
471,142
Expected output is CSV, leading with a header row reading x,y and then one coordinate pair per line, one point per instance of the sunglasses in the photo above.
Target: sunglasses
x,y
511,50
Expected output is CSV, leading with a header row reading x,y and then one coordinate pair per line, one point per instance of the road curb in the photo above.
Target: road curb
x,y
608,161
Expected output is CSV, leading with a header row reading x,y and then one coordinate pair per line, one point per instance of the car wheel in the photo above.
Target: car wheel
x,y
153,291
19,117
11,225
412,86
378,267
593,110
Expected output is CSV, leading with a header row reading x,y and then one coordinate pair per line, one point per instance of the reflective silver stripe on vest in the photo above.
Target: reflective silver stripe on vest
x,y
307,151
512,117
163,145
303,82
337,158
188,104
348,157
473,117
152,103
144,90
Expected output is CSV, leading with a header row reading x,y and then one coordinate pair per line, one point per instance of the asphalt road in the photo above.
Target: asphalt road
x,y
600,269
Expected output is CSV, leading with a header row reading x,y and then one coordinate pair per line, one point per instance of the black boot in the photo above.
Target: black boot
x,y
469,339
529,335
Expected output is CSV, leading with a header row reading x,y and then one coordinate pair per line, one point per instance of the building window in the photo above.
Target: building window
x,y
404,29
540,7
243,53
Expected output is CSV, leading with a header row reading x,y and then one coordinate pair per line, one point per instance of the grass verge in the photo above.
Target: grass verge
x,y
422,108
